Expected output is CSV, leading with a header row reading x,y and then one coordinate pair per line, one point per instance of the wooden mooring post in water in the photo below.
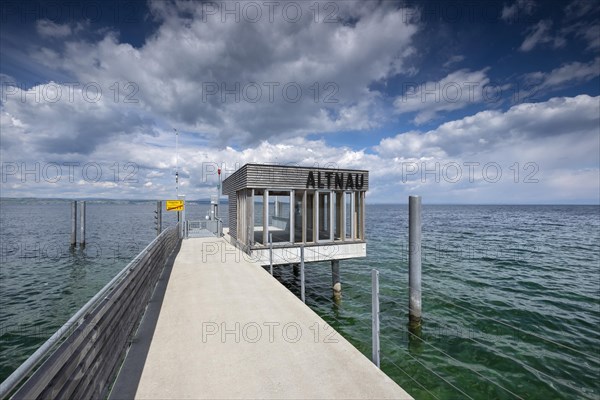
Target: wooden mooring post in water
x,y
158,217
73,223
414,260
82,224
81,206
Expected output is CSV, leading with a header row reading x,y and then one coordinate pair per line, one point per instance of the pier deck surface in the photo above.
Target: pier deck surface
x,y
227,329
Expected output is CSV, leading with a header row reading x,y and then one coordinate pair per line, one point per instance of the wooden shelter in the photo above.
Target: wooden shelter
x,y
321,209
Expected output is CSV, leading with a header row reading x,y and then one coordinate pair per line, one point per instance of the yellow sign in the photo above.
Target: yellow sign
x,y
174,205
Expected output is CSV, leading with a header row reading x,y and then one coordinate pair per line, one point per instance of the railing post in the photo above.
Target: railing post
x,y
271,252
74,223
414,260
181,217
375,316
82,225
302,296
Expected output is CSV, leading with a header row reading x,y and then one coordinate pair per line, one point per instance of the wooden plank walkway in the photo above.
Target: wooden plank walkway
x,y
228,330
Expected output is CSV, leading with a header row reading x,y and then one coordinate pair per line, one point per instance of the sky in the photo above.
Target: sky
x,y
466,102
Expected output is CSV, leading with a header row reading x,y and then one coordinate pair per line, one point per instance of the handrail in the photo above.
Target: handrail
x,y
20,373
219,226
214,226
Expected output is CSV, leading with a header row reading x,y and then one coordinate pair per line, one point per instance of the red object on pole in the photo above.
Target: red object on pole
x,y
219,171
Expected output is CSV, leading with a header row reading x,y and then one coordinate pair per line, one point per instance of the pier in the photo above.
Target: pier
x,y
227,329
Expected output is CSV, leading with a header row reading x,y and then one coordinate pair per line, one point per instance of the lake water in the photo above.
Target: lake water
x,y
511,294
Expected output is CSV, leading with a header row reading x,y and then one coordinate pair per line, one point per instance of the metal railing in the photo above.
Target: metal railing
x,y
200,228
81,358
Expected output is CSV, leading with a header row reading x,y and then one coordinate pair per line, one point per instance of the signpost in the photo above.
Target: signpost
x,y
174,205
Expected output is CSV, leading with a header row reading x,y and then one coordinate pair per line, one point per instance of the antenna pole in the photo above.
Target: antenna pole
x,y
176,162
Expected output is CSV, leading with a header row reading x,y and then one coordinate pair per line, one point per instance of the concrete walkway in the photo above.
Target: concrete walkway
x,y
228,330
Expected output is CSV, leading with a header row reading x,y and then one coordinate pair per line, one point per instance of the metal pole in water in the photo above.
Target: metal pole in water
x,y
302,274
271,252
375,316
414,260
82,225
74,223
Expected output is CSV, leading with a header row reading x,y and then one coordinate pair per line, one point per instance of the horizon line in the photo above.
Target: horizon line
x,y
225,198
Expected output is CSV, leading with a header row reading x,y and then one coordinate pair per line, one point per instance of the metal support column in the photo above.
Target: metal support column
x,y
302,296
336,283
414,259
375,316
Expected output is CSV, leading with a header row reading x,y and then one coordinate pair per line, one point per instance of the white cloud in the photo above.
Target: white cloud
x,y
548,140
48,28
591,33
580,8
581,18
488,130
166,80
540,34
453,92
454,60
567,74
184,70
67,119
523,7
533,144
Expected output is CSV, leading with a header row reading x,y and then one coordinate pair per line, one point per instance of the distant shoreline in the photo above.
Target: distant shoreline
x,y
101,200
224,200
